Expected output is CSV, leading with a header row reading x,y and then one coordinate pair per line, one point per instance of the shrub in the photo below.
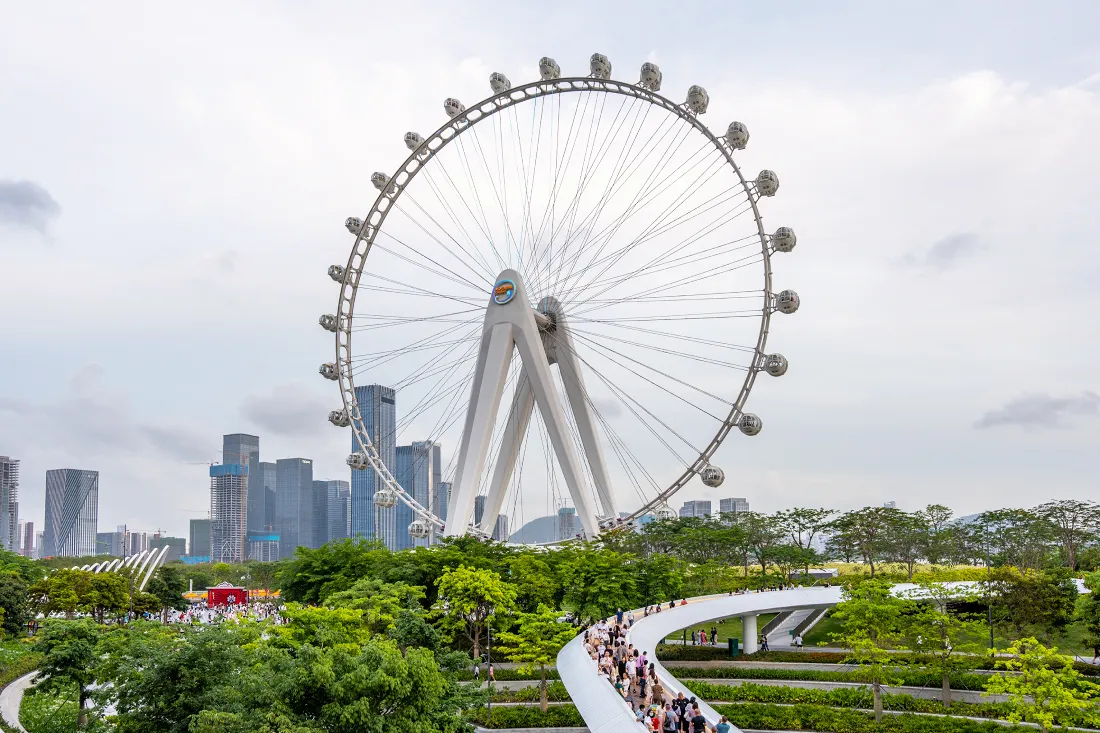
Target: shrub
x,y
556,716
909,678
832,720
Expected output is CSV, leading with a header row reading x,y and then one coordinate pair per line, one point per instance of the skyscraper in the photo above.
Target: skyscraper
x,y
266,480
567,523
244,450
72,512
9,502
418,472
39,543
443,499
293,503
500,529
734,505
345,508
28,540
228,499
339,494
479,510
377,406
696,508
199,541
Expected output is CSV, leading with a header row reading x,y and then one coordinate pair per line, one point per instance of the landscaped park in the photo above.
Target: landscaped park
x,y
363,639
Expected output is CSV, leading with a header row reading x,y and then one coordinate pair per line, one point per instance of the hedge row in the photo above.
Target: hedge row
x,y
509,675
848,697
679,653
832,720
770,717
555,692
907,677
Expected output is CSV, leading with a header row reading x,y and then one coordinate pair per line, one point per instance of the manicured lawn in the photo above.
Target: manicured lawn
x,y
728,628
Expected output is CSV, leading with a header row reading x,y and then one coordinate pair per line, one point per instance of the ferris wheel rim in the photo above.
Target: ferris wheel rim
x,y
417,161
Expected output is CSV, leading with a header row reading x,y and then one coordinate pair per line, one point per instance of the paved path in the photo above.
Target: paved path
x,y
10,698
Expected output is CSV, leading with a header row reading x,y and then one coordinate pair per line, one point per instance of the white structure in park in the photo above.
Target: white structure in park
x,y
579,246
144,564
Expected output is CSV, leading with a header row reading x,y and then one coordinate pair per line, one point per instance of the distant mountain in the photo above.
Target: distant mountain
x,y
543,529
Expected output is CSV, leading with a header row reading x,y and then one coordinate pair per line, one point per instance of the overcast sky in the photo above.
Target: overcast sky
x,y
173,184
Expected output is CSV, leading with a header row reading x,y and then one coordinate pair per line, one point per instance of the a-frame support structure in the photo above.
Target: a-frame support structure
x,y
542,338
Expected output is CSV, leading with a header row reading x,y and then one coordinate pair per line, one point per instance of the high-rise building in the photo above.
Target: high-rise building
x,y
28,540
199,541
113,543
479,510
72,512
500,528
345,508
228,504
263,546
890,505
567,523
177,547
696,508
377,407
266,479
338,497
244,450
293,503
419,473
39,543
139,542
19,539
9,503
443,500
733,506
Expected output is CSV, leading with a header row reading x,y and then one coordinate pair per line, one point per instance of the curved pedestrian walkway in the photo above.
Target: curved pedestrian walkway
x,y
10,699
605,711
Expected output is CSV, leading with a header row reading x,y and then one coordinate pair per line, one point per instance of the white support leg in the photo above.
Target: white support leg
x,y
497,346
566,356
748,630
519,418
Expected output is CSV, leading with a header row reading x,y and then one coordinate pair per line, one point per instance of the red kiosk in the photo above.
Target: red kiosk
x,y
226,594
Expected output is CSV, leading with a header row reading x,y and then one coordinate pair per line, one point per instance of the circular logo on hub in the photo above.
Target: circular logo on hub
x,y
504,291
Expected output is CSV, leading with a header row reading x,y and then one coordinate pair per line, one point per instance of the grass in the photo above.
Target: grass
x,y
729,628
50,712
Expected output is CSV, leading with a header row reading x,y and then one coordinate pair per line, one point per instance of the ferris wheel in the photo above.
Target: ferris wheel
x,y
564,295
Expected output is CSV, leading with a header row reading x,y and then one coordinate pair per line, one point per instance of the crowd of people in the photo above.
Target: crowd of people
x,y
634,678
204,613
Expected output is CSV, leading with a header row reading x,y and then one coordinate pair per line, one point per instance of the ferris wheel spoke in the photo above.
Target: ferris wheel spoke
x,y
649,232
442,270
608,352
672,352
603,151
484,272
636,163
436,189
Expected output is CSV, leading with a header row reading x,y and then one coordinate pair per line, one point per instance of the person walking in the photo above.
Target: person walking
x,y
492,675
723,725
798,642
713,635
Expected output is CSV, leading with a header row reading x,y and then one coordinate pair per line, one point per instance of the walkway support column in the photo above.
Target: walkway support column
x,y
748,628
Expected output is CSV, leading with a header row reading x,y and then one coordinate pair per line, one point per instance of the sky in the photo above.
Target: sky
x,y
173,183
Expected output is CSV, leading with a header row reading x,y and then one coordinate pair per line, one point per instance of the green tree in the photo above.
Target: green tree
x,y
1074,523
946,638
871,621
1044,688
1042,602
1012,537
660,578
380,602
469,600
535,582
60,592
1090,610
15,609
69,658
866,533
535,644
907,537
596,582
801,525
104,593
167,586
940,533
410,629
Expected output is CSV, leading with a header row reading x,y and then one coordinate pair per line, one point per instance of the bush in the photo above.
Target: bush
x,y
832,720
682,653
557,716
851,697
508,675
555,692
909,678
805,657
